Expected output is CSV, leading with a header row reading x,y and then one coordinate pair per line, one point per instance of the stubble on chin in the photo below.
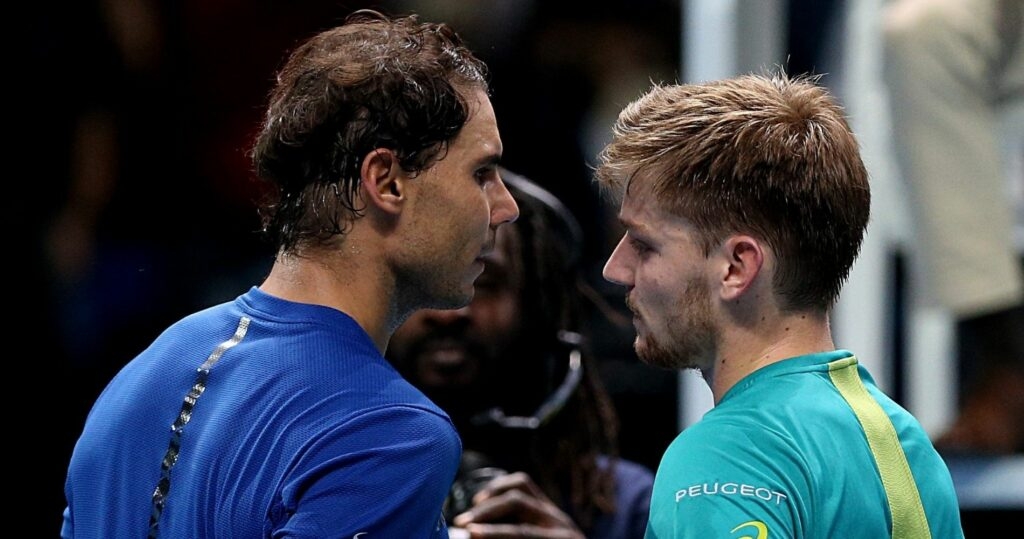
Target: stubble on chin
x,y
437,288
690,335
693,351
651,352
649,349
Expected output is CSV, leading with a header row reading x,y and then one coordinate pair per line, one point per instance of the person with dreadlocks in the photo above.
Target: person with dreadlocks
x,y
513,371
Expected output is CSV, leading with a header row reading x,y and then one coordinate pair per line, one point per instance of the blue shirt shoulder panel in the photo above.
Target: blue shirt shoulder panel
x,y
301,413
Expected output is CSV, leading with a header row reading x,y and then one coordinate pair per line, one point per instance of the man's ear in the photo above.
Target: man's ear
x,y
743,259
383,182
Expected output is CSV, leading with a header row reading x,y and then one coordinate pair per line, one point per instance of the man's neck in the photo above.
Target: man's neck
x,y
339,282
743,350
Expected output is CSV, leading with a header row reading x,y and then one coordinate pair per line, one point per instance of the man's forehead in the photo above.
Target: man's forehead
x,y
637,197
480,134
643,209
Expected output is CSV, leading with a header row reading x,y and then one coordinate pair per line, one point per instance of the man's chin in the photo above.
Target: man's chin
x,y
655,355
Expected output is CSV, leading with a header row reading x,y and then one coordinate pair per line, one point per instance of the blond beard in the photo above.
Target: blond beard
x,y
691,337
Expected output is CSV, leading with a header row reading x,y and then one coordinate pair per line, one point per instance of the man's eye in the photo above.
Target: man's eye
x,y
638,246
485,175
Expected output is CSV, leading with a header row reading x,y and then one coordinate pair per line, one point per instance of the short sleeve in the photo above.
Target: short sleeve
x,y
384,473
729,481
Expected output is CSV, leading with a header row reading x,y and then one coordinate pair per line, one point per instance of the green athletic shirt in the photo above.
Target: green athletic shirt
x,y
785,454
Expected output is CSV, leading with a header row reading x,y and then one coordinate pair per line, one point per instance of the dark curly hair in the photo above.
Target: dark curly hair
x,y
372,82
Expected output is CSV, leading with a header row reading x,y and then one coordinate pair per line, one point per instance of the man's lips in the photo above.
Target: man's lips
x,y
637,319
443,353
445,357
632,308
486,251
444,364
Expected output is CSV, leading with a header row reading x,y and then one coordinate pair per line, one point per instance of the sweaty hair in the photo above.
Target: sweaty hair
x,y
766,155
567,450
373,82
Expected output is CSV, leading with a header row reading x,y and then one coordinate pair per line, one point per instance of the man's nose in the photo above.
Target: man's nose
x,y
503,207
615,269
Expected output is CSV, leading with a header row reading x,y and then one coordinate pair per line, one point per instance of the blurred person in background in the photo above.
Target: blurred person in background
x,y
955,73
514,371
276,414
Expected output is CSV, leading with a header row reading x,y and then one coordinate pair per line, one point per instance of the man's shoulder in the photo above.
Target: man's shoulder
x,y
725,440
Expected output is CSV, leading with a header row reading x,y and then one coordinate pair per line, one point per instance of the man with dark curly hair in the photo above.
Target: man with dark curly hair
x,y
276,414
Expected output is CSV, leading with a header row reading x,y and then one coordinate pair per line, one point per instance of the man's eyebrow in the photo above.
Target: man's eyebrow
x,y
630,224
490,160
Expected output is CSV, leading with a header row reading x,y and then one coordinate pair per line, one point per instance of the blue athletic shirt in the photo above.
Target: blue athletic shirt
x,y
300,429
785,454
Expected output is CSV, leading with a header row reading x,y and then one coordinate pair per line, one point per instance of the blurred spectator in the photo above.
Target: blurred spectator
x,y
955,69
